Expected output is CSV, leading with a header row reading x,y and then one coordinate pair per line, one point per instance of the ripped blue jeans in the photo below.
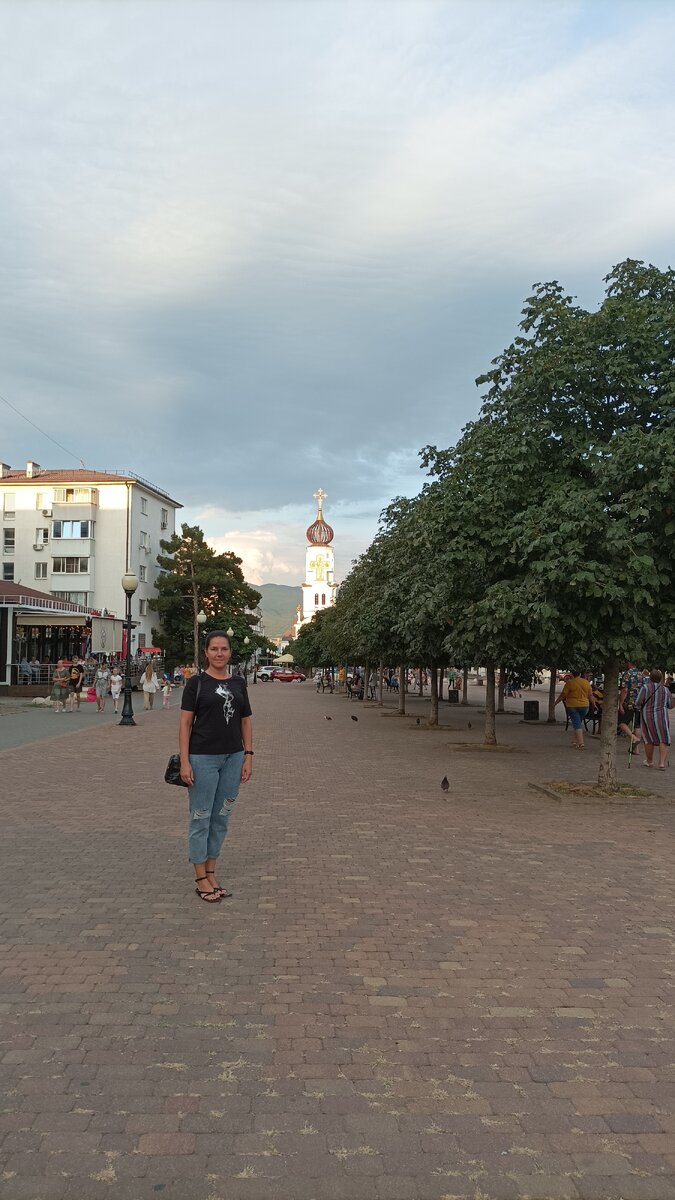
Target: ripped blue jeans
x,y
212,797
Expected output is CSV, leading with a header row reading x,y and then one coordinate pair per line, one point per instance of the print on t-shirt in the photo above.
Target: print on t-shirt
x,y
228,702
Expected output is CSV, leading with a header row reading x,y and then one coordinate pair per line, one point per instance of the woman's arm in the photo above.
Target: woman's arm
x,y
185,727
247,739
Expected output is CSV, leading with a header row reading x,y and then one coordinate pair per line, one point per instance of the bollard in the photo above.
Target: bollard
x,y
531,710
453,696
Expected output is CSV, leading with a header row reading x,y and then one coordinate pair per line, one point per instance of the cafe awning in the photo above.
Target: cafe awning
x,y
54,618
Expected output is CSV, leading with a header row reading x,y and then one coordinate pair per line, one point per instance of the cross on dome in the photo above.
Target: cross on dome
x,y
320,496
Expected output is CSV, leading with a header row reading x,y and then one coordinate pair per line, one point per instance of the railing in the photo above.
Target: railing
x,y
40,605
146,482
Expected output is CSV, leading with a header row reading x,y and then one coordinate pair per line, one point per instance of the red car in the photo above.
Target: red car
x,y
288,675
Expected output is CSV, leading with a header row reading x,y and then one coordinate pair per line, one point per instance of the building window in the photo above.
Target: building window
x,y
323,597
165,518
43,500
72,529
70,566
143,608
142,574
144,506
8,572
144,540
9,507
75,495
316,599
74,597
41,570
8,541
41,536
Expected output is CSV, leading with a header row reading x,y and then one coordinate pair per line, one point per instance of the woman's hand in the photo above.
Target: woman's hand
x,y
246,768
187,774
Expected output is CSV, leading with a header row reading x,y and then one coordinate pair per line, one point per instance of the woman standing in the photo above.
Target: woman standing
x,y
150,685
101,685
653,703
577,696
215,757
60,686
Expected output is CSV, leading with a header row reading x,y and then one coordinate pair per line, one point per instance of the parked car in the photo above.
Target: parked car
x,y
266,674
288,675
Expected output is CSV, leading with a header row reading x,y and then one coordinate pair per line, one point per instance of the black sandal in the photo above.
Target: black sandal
x,y
206,896
223,894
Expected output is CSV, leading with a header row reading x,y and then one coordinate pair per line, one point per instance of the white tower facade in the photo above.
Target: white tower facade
x,y
319,587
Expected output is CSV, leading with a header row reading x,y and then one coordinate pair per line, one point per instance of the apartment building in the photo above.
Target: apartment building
x,y
73,534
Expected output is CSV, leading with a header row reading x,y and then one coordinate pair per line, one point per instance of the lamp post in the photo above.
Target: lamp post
x,y
200,622
246,645
129,583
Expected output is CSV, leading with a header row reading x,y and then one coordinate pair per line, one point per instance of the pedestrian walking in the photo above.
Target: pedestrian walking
x,y
631,682
150,685
577,697
653,702
116,684
60,686
75,681
216,755
166,692
101,685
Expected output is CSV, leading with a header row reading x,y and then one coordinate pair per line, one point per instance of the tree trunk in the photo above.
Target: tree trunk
x,y
550,720
441,678
607,776
422,682
433,707
195,623
490,724
465,685
366,679
380,685
401,689
502,689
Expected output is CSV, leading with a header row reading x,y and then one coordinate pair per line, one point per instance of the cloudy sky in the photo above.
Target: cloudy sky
x,y
250,248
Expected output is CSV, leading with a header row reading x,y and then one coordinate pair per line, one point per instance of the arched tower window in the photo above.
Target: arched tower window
x,y
323,598
316,599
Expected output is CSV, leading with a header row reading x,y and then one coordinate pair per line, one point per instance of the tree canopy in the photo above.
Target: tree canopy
x,y
194,578
545,535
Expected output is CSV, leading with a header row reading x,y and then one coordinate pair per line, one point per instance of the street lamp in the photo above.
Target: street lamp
x,y
246,644
200,622
129,583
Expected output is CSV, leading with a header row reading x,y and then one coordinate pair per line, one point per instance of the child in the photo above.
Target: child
x,y
115,688
166,693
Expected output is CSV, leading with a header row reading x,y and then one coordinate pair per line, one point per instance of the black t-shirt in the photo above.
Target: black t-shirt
x,y
75,677
222,704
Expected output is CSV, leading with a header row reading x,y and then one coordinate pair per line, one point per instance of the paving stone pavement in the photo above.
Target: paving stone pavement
x,y
411,996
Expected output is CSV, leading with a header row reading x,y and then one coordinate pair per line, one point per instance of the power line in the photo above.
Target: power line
x,y
47,435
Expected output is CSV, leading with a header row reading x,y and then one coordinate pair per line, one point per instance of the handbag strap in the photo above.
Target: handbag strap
x,y
199,688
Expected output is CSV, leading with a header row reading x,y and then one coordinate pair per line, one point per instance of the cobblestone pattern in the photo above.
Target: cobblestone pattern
x,y
411,996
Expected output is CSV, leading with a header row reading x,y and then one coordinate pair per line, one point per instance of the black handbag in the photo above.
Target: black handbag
x,y
172,773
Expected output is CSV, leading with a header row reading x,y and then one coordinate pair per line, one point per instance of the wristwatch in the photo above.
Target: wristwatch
x,y
248,752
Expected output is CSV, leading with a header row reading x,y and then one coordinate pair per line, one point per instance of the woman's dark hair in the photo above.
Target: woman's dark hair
x,y
214,633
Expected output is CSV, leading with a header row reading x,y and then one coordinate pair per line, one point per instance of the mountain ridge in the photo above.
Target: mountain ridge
x,y
278,604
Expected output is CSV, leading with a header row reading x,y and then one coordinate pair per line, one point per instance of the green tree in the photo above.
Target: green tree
x,y
590,399
194,578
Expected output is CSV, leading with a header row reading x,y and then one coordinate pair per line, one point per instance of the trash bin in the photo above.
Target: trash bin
x,y
531,710
453,696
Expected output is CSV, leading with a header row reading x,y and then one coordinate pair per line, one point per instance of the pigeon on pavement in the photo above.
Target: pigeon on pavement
x,y
445,784
355,718
328,718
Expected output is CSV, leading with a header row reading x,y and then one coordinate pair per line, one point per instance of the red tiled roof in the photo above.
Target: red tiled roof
x,y
79,476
